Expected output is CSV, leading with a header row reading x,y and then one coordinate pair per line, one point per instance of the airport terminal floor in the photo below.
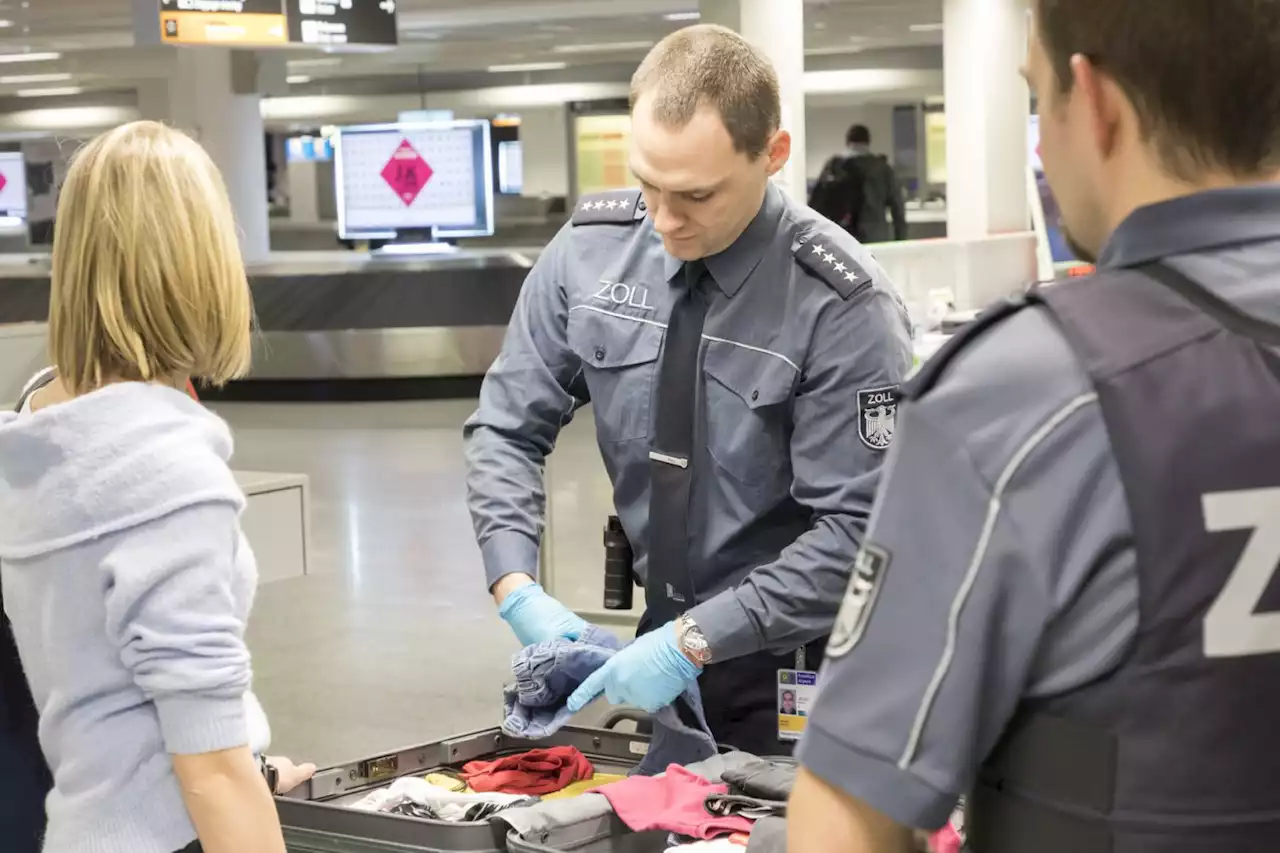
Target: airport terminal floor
x,y
391,639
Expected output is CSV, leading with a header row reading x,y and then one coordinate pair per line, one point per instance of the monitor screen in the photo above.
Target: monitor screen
x,y
13,188
510,168
414,177
1053,244
308,148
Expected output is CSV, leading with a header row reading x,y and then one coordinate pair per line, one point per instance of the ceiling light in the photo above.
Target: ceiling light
x,y
683,16
4,25
529,66
49,93
926,28
16,79
608,47
293,79
28,57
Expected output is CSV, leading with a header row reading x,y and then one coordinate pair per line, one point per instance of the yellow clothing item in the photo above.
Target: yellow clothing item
x,y
449,783
577,789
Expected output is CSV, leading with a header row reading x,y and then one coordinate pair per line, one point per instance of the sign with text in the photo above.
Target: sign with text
x,y
267,23
339,22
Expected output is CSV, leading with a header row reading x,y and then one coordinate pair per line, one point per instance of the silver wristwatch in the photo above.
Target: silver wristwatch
x,y
692,642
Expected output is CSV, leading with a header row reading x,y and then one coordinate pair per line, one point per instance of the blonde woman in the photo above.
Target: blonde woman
x,y
124,570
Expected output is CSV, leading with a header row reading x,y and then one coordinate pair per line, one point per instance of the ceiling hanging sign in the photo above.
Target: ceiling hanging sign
x,y
330,24
336,23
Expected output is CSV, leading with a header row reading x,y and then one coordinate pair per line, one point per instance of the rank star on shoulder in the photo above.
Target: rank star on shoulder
x,y
851,276
840,267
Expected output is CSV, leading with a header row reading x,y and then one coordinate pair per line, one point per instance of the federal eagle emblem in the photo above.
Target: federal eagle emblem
x,y
877,416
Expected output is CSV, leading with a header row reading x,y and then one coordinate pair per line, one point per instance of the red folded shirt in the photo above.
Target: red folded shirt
x,y
539,771
674,802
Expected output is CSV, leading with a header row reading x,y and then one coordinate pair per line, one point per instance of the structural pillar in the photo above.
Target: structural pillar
x,y
776,27
988,111
212,94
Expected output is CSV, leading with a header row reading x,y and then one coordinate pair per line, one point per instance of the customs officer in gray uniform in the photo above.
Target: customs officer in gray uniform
x,y
1068,606
742,356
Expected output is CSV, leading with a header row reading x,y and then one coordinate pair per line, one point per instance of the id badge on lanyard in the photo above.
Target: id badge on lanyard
x,y
797,690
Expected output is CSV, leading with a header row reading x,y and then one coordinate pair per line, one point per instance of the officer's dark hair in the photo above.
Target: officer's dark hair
x,y
1202,74
859,134
713,65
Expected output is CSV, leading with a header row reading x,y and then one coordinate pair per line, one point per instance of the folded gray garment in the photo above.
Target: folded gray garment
x,y
590,815
768,836
753,808
765,780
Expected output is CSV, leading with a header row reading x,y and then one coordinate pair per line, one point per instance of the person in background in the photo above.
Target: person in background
x,y
1066,607
857,188
125,574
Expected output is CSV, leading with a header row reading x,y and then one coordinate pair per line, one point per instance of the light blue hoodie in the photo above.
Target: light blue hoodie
x,y
128,583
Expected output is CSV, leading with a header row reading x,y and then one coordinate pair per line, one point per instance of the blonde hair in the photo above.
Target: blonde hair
x,y
148,281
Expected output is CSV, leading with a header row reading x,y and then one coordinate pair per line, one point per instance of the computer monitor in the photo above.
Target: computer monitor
x,y
13,189
1054,254
414,183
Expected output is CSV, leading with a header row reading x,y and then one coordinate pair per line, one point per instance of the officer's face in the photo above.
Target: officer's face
x,y
700,193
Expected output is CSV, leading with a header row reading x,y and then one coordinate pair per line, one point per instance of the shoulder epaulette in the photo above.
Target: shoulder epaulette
x,y
830,263
931,371
619,207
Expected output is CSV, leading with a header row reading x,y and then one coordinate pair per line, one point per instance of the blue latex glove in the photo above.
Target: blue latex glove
x,y
650,674
536,617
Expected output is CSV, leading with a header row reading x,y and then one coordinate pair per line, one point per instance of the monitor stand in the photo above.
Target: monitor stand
x,y
417,242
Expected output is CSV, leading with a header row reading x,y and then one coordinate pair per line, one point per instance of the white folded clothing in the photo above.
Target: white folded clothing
x,y
447,804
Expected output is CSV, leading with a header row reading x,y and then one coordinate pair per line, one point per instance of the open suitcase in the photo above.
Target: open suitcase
x,y
317,817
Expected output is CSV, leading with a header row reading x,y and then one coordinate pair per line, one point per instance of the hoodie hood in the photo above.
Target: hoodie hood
x,y
119,457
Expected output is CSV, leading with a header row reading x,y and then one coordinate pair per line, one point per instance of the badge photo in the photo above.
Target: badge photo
x,y
877,416
855,611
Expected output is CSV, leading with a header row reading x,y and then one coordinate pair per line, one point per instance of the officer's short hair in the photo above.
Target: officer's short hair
x,y
859,134
1201,73
147,281
708,64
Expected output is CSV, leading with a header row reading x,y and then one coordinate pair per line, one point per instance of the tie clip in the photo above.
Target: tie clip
x,y
666,459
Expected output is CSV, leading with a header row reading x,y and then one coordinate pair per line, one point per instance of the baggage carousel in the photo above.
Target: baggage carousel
x,y
339,316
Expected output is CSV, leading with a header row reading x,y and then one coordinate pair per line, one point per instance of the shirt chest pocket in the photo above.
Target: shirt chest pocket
x,y
619,357
749,396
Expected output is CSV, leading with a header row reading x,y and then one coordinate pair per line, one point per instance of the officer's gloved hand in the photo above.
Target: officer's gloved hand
x,y
536,617
650,674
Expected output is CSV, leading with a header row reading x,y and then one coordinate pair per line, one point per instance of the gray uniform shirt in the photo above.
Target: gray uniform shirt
x,y
800,319
1009,563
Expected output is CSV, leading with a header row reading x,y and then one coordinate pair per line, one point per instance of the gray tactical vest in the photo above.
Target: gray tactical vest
x,y
1178,750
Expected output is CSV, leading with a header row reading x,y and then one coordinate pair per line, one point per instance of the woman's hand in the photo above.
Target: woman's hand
x,y
289,775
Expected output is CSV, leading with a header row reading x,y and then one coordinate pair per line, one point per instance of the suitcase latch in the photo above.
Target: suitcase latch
x,y
377,769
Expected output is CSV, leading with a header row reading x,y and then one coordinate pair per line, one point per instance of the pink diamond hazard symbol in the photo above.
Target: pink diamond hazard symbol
x,y
3,181
406,172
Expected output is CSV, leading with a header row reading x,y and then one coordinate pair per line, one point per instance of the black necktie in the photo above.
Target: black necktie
x,y
669,586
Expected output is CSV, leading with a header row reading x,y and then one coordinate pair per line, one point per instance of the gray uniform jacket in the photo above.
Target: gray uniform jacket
x,y
801,319
1002,546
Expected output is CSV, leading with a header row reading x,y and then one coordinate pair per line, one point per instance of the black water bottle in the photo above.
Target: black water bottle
x,y
619,577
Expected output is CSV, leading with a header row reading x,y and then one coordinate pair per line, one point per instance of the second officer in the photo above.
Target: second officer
x,y
742,356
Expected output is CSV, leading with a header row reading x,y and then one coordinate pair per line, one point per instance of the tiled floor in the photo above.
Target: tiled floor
x,y
392,639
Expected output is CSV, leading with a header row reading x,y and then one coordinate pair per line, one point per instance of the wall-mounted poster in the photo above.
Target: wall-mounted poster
x,y
602,146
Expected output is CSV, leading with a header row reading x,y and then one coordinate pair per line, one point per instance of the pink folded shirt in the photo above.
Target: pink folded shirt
x,y
673,802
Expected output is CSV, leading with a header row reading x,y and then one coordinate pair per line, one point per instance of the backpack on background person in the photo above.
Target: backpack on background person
x,y
841,192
